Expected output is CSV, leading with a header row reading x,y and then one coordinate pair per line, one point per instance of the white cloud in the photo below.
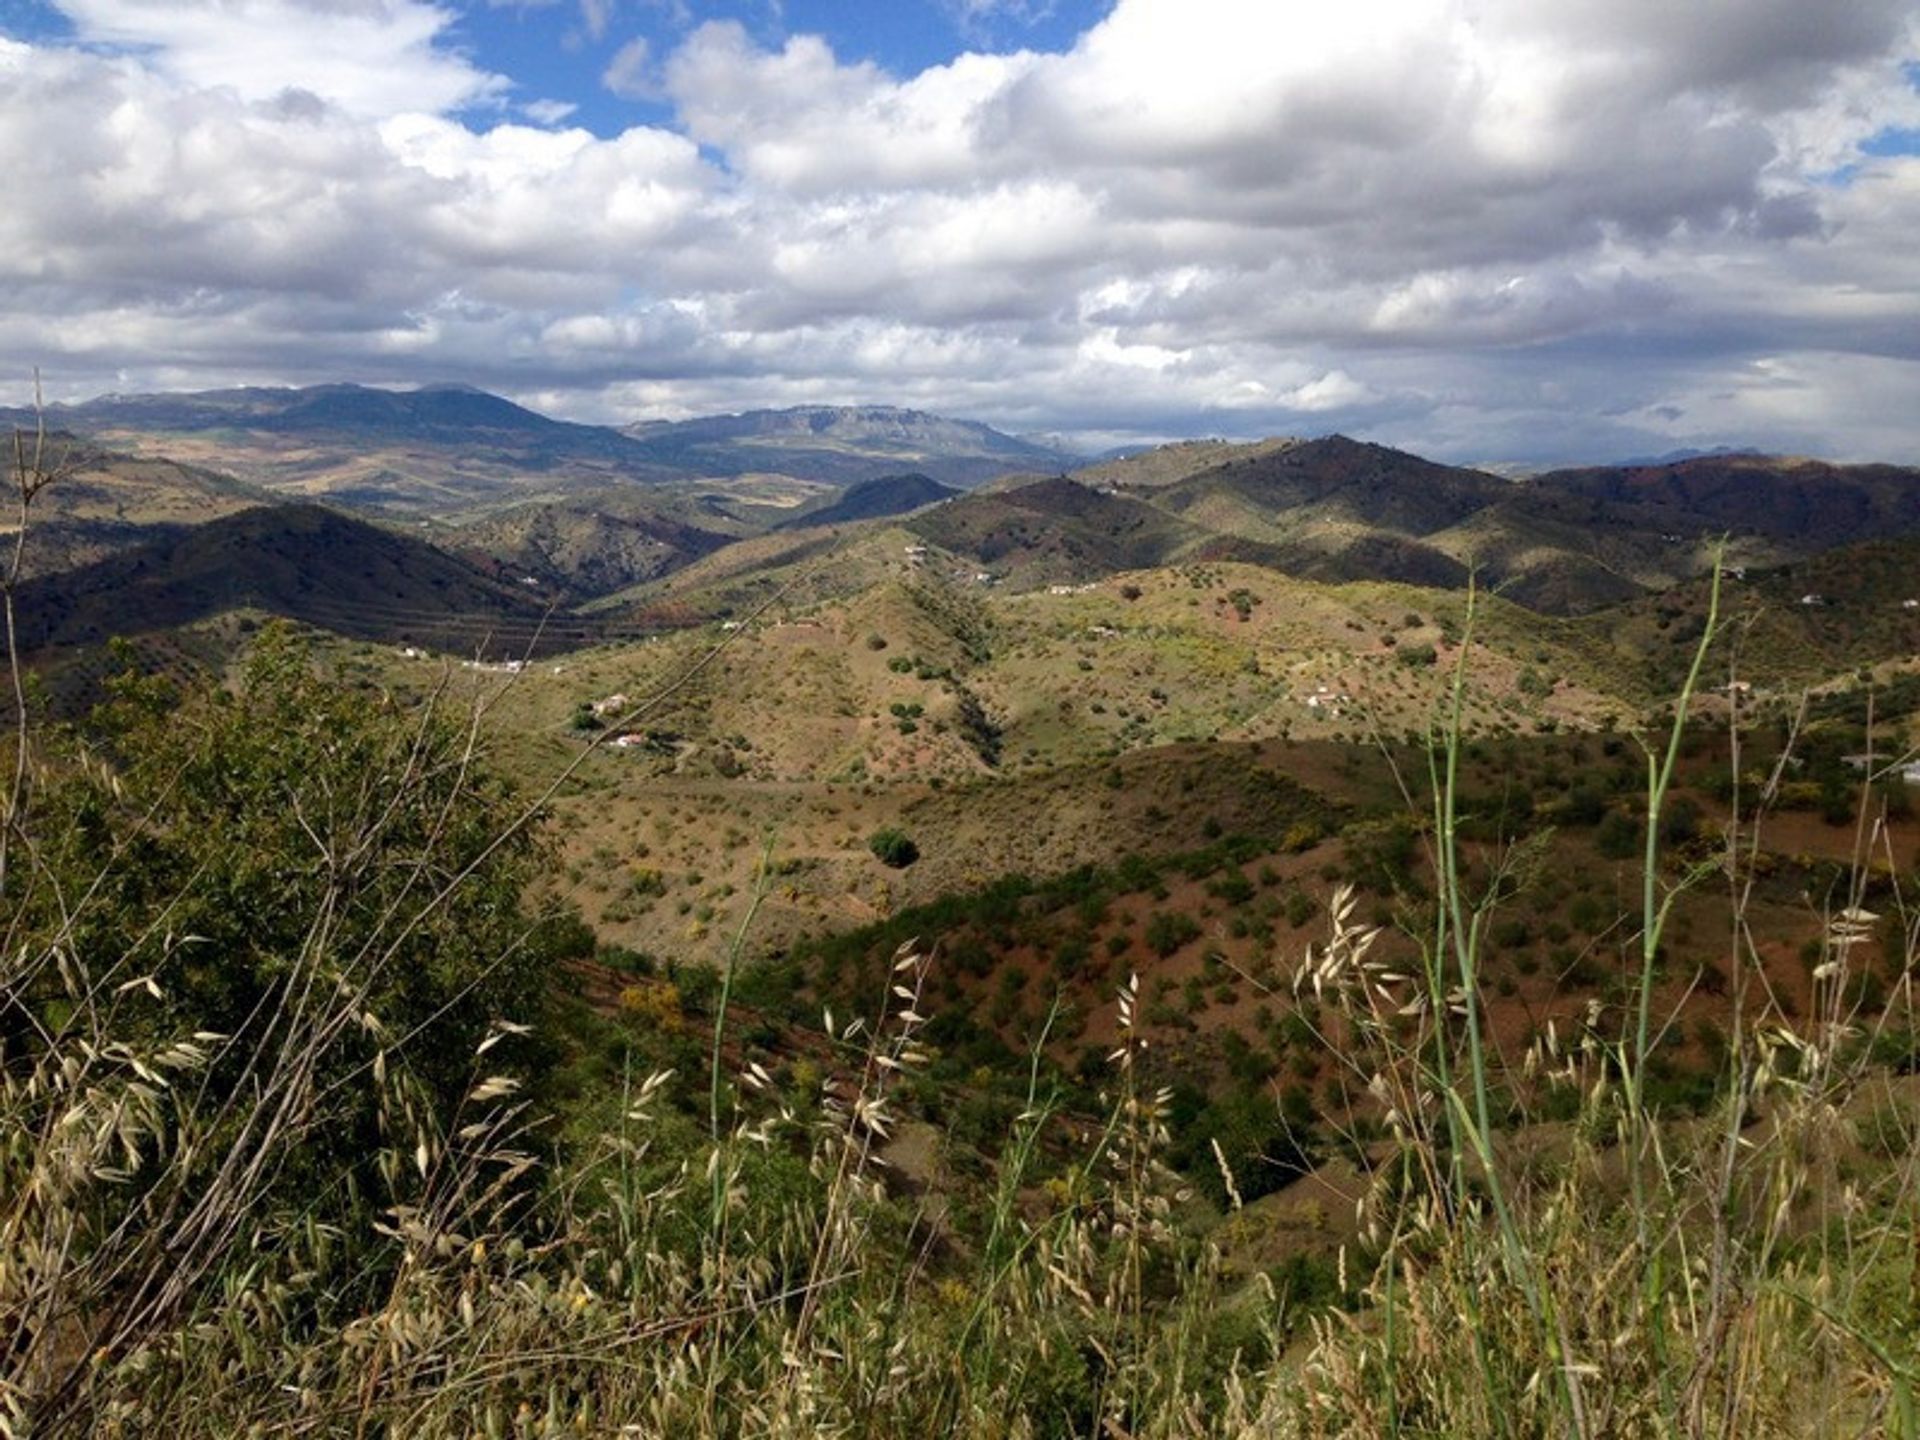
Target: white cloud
x,y
368,57
629,73
596,16
803,124
1335,390
1494,227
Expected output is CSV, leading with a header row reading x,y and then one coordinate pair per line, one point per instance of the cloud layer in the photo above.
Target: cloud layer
x,y
1492,229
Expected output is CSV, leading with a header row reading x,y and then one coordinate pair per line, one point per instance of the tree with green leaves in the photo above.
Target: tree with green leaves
x,y
255,945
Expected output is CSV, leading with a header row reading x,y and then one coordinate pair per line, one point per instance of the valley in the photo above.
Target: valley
x,y
1010,673
1173,726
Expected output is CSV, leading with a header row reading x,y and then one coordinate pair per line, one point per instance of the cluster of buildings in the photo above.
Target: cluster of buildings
x,y
1325,700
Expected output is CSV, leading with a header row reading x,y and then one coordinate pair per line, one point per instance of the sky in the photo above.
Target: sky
x,y
1492,231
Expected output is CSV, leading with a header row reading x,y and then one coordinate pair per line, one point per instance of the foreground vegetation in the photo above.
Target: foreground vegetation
x,y
309,1124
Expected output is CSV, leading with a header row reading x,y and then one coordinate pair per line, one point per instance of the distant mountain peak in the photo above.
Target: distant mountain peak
x,y
843,444
1678,457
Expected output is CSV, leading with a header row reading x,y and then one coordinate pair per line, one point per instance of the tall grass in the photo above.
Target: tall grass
x,y
1626,1272
180,1254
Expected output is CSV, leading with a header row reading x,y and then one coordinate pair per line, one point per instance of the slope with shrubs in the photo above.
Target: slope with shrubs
x,y
987,725
587,547
1796,625
712,1244
290,1143
107,503
301,562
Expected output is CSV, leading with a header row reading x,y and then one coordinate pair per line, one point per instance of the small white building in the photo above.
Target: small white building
x,y
1907,770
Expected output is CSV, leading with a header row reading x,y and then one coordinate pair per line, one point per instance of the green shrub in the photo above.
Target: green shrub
x,y
893,847
1618,836
1168,930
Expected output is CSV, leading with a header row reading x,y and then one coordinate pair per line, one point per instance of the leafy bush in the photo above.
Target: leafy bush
x,y
893,847
228,822
1262,1148
1618,836
1300,908
263,940
1168,930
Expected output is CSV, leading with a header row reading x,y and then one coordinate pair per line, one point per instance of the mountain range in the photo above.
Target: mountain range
x,y
451,449
482,522
844,444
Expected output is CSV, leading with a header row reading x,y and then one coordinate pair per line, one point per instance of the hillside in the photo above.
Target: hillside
x,y
802,566
1332,510
106,502
1563,543
1069,739
989,721
1055,531
1048,532
1804,504
579,549
374,413
303,562
876,500
1168,464
1793,626
1328,482
592,511
1338,509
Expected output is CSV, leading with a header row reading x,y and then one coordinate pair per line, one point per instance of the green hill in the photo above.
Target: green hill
x,y
303,562
876,499
106,502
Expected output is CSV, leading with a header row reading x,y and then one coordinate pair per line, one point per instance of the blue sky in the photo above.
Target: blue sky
x,y
562,50
905,37
1493,230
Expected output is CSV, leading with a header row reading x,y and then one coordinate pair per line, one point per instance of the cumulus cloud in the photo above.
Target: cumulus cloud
x,y
1495,228
1335,390
368,57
